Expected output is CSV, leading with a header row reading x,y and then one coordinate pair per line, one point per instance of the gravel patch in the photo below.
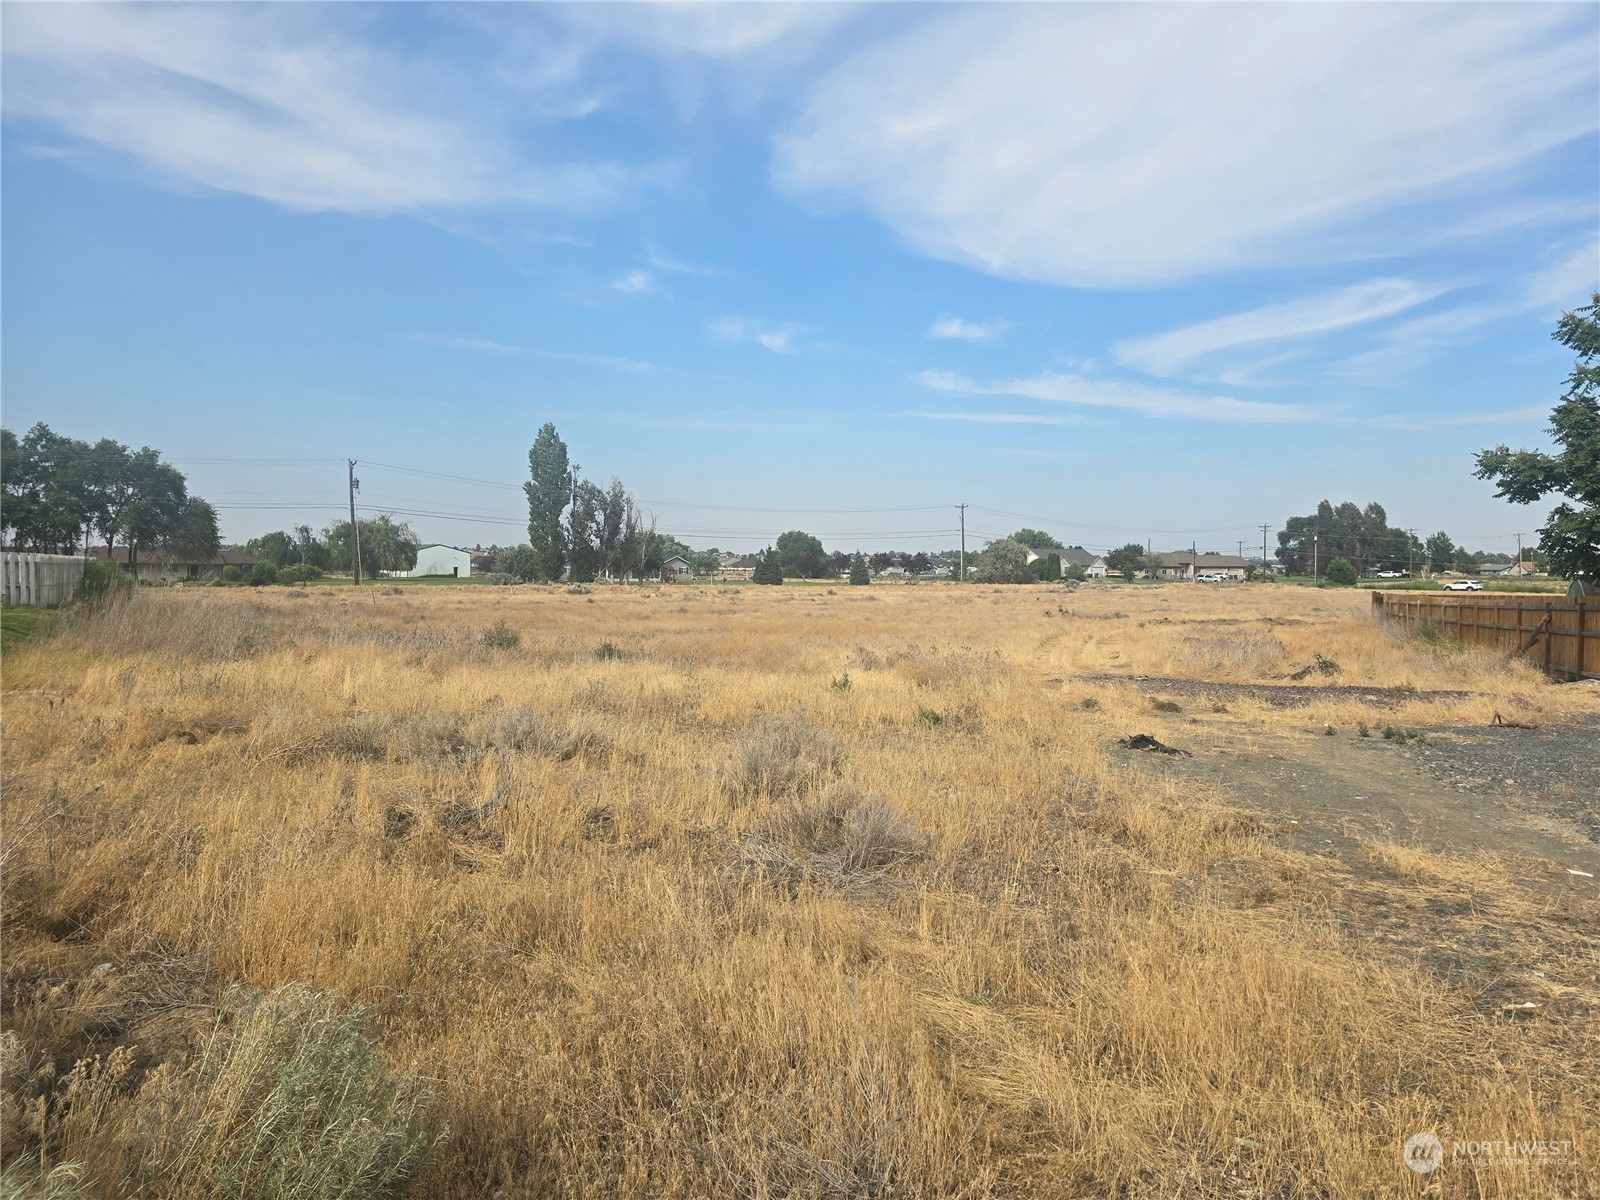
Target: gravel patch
x,y
1277,695
1554,765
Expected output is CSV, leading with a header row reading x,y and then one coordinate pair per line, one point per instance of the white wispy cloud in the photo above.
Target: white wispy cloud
x,y
634,282
1513,416
966,331
286,103
780,339
485,346
662,261
997,418
1057,388
464,343
1326,312
1217,137
1566,282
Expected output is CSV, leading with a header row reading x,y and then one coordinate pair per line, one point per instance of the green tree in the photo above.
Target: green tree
x,y
1441,551
860,576
1126,561
1036,539
1570,536
386,545
276,548
1004,561
1342,572
549,491
194,536
1047,567
802,556
769,568
517,561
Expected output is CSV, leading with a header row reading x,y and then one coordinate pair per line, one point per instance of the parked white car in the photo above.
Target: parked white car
x,y
1464,585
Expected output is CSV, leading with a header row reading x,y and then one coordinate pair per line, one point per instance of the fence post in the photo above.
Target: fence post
x,y
1549,635
1582,609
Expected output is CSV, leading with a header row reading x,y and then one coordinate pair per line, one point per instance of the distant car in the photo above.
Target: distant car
x,y
1213,578
1391,574
1464,585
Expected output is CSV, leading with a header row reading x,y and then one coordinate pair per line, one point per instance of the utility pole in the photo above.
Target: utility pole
x,y
572,523
1241,549
1411,552
1264,571
1314,538
1194,562
1519,556
355,530
962,576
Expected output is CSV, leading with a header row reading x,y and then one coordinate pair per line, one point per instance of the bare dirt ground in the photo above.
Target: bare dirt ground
x,y
1419,839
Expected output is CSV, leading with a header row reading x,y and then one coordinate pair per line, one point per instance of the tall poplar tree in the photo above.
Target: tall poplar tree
x,y
549,491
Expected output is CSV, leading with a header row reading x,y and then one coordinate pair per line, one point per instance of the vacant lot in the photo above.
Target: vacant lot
x,y
794,892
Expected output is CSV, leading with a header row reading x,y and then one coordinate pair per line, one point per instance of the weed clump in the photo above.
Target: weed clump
x,y
840,836
784,756
606,652
501,636
526,730
288,1099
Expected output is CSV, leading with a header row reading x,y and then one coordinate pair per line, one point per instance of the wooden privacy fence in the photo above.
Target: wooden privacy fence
x,y
40,580
1560,635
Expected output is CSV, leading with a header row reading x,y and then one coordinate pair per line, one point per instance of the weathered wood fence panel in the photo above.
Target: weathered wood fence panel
x,y
40,580
1559,635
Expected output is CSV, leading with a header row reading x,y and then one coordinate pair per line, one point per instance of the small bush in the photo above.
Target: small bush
x,y
605,652
501,579
263,573
1342,573
784,757
838,836
577,589
1166,706
501,636
290,1101
299,573
841,684
526,730
102,581
230,574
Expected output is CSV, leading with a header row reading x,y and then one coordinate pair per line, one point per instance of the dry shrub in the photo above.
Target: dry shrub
x,y
784,756
1223,654
839,836
164,623
526,730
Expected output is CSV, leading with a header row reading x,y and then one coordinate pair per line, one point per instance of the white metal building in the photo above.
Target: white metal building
x,y
442,560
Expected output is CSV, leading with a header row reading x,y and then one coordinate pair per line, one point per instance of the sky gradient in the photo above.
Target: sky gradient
x,y
1134,272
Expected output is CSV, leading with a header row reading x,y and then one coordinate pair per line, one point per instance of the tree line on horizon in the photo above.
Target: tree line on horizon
x,y
57,494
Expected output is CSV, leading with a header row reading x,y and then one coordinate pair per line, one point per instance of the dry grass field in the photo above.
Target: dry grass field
x,y
751,892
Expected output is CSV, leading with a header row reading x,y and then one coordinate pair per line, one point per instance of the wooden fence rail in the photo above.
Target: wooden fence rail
x,y
40,580
1559,635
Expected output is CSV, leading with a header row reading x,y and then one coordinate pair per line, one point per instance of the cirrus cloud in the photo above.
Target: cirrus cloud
x,y
1210,138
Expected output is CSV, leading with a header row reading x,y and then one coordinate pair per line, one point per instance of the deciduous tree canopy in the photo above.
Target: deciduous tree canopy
x,y
1570,537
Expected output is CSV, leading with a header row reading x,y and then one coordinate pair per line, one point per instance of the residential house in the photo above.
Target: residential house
x,y
1186,564
677,569
1070,556
164,566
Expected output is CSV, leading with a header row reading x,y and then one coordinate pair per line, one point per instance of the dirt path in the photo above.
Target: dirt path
x,y
1342,788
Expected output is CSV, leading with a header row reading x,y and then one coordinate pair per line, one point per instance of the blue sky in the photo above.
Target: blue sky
x,y
1128,272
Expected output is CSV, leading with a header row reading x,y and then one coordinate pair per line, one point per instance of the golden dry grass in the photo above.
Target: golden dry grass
x,y
804,893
